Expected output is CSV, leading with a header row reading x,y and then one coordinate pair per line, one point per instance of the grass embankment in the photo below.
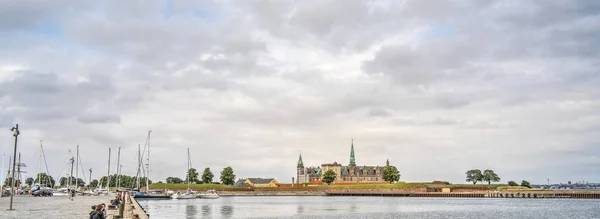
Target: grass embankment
x,y
321,187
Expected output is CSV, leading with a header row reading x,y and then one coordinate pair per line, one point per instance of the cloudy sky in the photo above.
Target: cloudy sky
x,y
436,87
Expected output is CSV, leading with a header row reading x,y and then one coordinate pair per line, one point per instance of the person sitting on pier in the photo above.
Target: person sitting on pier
x,y
115,202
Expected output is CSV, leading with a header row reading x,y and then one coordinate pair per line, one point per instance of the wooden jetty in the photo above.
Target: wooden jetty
x,y
129,207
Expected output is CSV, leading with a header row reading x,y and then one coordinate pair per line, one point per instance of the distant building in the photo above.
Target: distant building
x,y
240,182
260,182
350,173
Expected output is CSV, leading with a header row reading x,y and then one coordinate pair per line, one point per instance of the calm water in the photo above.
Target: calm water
x,y
371,207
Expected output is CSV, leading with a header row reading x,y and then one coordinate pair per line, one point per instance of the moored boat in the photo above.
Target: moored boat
x,y
210,194
186,195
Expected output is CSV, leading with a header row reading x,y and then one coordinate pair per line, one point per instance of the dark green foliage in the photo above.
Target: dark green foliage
x,y
175,180
44,179
227,176
512,183
126,181
474,176
192,175
94,183
489,176
207,176
29,181
525,184
328,177
7,182
391,174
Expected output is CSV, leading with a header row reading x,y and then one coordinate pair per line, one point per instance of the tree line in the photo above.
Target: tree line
x,y
489,176
227,177
476,175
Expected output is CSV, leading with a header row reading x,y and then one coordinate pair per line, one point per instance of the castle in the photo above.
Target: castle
x,y
350,173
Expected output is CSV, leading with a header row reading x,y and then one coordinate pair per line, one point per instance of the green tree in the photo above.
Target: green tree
x,y
489,176
474,176
94,183
525,184
328,177
45,179
391,174
29,181
227,176
512,183
192,175
207,176
175,180
7,182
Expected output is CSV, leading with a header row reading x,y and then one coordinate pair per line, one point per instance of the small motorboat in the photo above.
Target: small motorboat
x,y
153,194
210,194
39,190
60,192
187,195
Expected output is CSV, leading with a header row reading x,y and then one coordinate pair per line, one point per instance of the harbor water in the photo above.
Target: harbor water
x,y
371,207
315,207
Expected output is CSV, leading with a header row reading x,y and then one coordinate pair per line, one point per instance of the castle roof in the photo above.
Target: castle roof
x,y
261,180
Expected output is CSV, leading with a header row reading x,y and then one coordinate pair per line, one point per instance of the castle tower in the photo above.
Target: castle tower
x,y
352,159
300,176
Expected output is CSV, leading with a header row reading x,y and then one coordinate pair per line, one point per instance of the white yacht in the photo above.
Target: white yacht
x,y
61,192
210,194
187,195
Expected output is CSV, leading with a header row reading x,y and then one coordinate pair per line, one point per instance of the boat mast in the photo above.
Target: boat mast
x,y
188,170
148,162
118,172
137,180
77,171
39,179
72,161
47,171
108,177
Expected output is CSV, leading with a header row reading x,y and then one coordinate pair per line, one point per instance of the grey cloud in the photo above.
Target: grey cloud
x,y
99,118
379,113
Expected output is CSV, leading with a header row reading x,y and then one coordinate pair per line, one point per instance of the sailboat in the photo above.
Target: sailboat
x,y
153,194
99,190
42,188
189,194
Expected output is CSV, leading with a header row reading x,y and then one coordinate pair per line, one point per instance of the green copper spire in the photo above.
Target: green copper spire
x,y
300,160
352,159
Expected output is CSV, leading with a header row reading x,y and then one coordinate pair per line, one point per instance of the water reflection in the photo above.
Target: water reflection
x,y
226,211
300,209
206,210
191,211
353,207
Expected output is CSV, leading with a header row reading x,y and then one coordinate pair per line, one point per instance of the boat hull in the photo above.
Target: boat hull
x,y
151,197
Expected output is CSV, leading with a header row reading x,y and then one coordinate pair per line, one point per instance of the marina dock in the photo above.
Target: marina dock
x,y
128,208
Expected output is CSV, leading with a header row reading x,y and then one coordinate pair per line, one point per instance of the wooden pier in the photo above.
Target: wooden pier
x,y
513,194
129,207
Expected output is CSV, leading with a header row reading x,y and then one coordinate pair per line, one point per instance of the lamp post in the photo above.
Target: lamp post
x,y
16,133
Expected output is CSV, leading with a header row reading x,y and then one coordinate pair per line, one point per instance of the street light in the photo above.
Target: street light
x,y
16,133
